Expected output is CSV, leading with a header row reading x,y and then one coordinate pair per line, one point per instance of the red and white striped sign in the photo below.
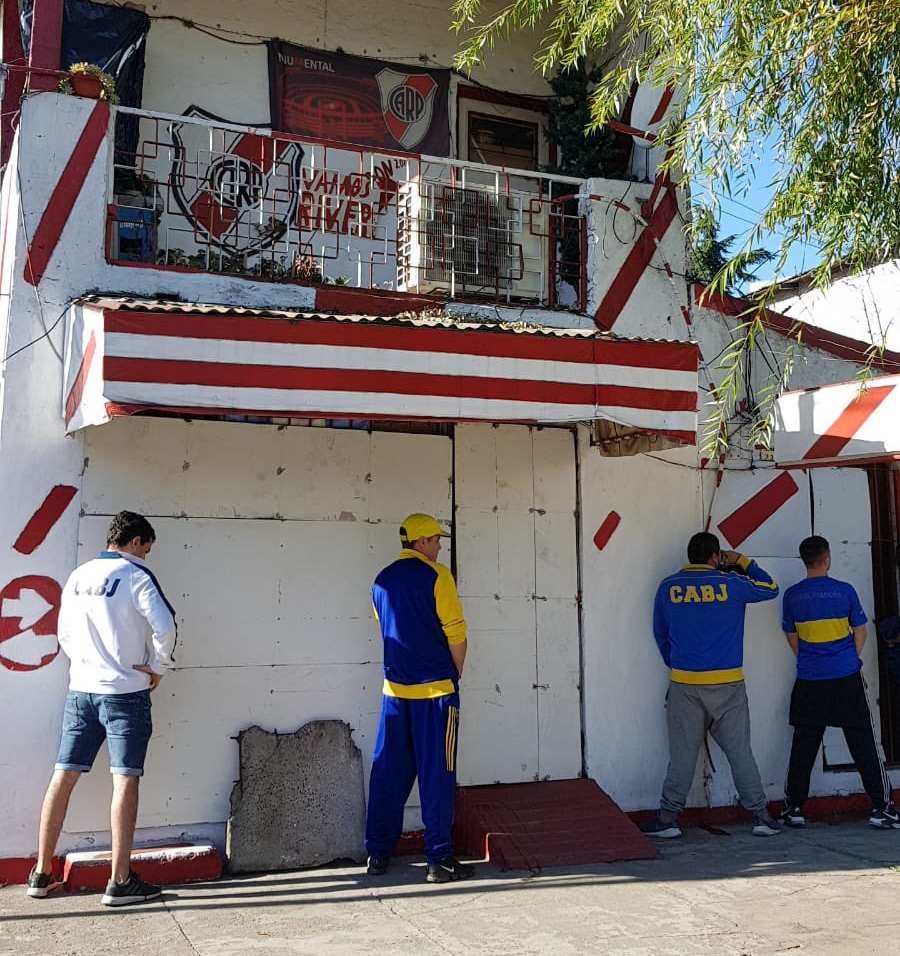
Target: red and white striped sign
x,y
837,424
126,356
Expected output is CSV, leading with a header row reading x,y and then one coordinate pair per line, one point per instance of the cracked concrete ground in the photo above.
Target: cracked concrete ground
x,y
826,890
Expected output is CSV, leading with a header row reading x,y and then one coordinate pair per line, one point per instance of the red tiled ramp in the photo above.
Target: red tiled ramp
x,y
554,823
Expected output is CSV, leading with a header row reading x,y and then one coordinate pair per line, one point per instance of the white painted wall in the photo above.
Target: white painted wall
x,y
615,222
183,63
624,677
865,306
660,502
268,541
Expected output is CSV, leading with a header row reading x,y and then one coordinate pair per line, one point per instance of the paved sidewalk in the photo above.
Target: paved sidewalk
x,y
826,890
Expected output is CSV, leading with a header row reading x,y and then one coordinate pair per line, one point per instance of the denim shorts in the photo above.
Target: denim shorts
x,y
122,719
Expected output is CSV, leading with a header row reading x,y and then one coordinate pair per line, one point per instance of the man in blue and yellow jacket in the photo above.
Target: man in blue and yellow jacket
x,y
424,634
698,623
825,626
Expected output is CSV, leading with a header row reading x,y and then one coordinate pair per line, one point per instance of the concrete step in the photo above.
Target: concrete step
x,y
550,823
164,864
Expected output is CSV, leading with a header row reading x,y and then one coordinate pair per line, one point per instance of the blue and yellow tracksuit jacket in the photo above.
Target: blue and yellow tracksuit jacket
x,y
698,620
822,612
420,615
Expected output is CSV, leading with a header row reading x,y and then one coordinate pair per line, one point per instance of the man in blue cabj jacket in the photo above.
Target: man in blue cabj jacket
x,y
698,623
424,634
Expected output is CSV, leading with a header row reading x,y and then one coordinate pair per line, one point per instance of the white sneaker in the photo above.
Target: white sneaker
x,y
764,825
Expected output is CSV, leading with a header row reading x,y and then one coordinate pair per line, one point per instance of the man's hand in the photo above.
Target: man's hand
x,y
154,677
730,557
458,653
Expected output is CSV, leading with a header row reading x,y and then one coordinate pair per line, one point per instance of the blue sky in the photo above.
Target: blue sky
x,y
740,213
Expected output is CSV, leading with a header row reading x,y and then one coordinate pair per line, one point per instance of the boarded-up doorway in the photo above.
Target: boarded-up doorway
x,y
516,506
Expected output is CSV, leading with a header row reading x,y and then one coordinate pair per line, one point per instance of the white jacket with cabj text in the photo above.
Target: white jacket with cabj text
x,y
114,615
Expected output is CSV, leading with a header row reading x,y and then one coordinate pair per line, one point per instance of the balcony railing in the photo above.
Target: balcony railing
x,y
193,193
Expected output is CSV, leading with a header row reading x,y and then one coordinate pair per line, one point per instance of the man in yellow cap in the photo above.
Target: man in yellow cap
x,y
424,634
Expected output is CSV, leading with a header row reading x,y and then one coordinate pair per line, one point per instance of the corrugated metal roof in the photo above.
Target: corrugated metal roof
x,y
439,320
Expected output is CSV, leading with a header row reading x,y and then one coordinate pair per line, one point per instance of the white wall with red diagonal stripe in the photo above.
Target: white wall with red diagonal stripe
x,y
634,513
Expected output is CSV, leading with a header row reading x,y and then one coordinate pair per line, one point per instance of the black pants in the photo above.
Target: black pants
x,y
863,749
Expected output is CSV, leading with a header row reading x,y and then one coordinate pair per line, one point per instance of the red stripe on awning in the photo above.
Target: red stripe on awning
x,y
848,423
76,393
176,372
670,356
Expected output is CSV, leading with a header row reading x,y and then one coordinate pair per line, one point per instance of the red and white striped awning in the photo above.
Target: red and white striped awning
x,y
125,356
839,424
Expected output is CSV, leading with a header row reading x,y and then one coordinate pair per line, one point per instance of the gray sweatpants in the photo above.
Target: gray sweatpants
x,y
721,709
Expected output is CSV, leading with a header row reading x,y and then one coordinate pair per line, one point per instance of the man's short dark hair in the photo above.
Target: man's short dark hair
x,y
128,525
814,549
702,547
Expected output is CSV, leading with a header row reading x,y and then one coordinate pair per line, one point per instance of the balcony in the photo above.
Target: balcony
x,y
193,194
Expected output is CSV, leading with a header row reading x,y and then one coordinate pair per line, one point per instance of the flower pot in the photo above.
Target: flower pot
x,y
83,84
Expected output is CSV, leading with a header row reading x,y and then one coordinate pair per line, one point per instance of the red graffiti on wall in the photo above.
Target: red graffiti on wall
x,y
347,203
29,604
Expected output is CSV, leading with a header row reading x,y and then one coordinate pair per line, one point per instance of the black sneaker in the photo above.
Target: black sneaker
x,y
764,825
38,884
886,819
662,828
377,865
792,817
448,870
133,890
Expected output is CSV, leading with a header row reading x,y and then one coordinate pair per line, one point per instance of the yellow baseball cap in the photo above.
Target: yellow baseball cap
x,y
420,526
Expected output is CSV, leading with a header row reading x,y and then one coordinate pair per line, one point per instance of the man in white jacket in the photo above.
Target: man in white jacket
x,y
118,631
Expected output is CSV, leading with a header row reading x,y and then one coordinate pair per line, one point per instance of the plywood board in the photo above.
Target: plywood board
x,y
516,551
268,542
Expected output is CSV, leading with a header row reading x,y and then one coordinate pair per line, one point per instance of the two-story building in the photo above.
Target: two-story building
x,y
305,279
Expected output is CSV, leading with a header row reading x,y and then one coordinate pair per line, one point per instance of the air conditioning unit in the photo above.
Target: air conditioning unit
x,y
472,241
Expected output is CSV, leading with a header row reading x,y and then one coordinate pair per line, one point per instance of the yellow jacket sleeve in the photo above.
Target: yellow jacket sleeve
x,y
449,607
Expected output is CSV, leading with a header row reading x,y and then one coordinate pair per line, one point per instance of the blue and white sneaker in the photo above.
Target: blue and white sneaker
x,y
886,819
662,827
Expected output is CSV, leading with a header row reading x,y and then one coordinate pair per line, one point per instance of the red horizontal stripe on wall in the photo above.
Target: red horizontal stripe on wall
x,y
673,356
175,372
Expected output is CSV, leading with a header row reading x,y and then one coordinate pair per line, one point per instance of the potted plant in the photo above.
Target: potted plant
x,y
85,79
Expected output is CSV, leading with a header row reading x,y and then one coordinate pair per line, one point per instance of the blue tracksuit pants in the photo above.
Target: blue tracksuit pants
x,y
416,738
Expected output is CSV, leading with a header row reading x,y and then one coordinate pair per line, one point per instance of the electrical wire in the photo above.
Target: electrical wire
x,y
41,337
260,39
37,294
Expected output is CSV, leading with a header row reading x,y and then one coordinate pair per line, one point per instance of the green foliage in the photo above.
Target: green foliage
x,y
107,82
813,83
818,83
711,253
584,150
